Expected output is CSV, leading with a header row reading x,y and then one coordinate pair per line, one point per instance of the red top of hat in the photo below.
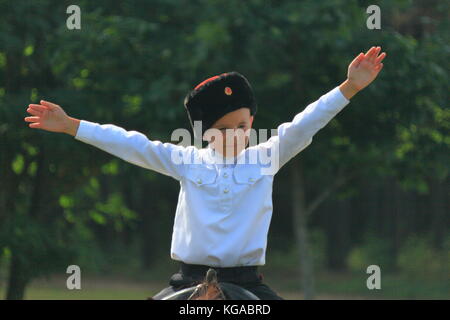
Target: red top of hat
x,y
208,80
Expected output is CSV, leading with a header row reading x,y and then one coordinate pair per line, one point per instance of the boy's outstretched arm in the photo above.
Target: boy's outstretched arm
x,y
131,146
296,135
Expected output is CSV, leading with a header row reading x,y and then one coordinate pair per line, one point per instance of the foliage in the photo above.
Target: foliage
x,y
373,251
418,258
63,202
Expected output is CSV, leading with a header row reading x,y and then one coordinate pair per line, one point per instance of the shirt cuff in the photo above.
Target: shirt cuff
x,y
334,100
85,130
339,96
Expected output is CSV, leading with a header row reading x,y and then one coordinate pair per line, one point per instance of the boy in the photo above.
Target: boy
x,y
224,209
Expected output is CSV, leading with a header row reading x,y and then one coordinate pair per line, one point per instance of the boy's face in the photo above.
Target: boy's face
x,y
233,134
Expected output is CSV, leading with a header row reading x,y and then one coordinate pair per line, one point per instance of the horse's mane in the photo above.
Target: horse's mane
x,y
209,289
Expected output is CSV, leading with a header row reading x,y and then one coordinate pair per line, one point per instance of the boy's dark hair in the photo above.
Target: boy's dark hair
x,y
216,96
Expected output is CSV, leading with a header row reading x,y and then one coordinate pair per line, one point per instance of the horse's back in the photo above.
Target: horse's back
x,y
235,292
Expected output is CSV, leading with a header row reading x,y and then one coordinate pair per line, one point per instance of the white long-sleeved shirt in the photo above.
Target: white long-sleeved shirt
x,y
224,210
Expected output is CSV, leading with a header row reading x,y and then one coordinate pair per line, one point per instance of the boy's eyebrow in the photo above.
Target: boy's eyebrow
x,y
242,122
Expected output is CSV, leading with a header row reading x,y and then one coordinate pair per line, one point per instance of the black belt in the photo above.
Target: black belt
x,y
227,274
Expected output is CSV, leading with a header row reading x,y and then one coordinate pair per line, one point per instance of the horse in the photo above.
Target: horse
x,y
211,289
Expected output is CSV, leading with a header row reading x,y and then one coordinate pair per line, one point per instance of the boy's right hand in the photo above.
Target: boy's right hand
x,y
51,117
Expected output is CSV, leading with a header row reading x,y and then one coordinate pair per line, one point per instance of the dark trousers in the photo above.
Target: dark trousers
x,y
246,277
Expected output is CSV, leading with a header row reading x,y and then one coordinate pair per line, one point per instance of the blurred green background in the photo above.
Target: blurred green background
x,y
372,188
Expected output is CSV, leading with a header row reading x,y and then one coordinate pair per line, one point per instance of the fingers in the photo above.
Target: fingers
x,y
373,58
34,111
39,111
355,63
32,119
35,125
379,67
380,58
38,107
35,122
373,54
370,52
50,105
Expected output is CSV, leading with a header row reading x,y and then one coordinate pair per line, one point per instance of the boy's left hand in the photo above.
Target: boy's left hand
x,y
365,68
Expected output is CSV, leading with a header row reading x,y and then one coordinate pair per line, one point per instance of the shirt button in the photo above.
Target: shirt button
x,y
225,190
199,181
225,175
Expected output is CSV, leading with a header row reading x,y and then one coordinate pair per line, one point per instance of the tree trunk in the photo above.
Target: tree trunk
x,y
18,279
149,214
301,230
138,201
438,205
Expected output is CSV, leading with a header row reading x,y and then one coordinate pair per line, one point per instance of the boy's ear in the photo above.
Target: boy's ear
x,y
251,120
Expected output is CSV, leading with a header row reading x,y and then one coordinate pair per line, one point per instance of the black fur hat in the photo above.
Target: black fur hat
x,y
216,96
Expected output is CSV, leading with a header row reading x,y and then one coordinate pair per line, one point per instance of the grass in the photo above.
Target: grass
x,y
91,289
285,282
128,283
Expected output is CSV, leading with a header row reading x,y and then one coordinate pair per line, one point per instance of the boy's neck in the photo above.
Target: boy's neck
x,y
218,154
